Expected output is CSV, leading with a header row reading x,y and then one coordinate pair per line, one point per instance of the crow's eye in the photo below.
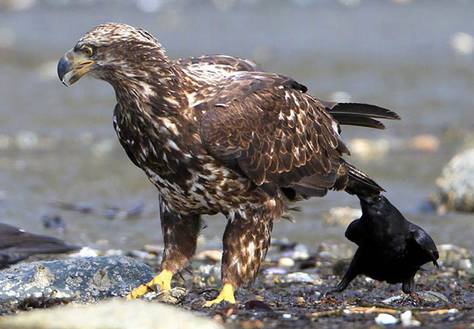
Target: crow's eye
x,y
88,50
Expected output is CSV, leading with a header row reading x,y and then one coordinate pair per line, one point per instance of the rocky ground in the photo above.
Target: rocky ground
x,y
289,292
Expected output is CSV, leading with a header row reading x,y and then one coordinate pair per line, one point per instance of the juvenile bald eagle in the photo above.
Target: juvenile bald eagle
x,y
216,135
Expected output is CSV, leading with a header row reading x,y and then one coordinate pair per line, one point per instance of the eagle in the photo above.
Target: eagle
x,y
215,134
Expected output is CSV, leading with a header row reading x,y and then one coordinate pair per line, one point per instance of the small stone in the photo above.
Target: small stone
x,y
286,316
298,252
369,149
384,319
85,252
462,43
300,277
275,271
465,264
408,320
424,143
212,255
27,140
174,296
286,262
392,299
432,296
300,300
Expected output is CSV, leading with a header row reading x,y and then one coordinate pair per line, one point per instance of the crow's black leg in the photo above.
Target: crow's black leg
x,y
408,287
350,275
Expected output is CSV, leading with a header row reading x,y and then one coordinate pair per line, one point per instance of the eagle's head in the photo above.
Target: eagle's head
x,y
112,52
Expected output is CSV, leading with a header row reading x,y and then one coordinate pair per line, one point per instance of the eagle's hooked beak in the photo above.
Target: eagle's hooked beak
x,y
72,66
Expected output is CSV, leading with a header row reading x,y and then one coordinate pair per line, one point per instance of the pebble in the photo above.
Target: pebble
x,y
408,320
368,149
384,319
213,255
275,271
175,296
286,262
424,143
465,264
462,43
85,252
299,252
300,277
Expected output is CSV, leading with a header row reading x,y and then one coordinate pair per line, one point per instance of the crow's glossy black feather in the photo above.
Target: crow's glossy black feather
x,y
390,249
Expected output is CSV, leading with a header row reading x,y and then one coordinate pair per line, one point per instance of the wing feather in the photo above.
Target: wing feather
x,y
276,133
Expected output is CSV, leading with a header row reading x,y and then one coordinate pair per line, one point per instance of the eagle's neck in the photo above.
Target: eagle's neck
x,y
150,83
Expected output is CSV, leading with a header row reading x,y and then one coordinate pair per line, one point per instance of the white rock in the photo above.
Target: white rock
x,y
85,252
286,262
384,319
456,184
300,277
408,320
465,264
462,43
26,140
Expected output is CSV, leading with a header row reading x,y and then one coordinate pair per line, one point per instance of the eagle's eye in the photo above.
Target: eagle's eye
x,y
88,50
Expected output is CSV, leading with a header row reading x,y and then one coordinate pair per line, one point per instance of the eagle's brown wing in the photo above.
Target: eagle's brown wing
x,y
266,126
228,63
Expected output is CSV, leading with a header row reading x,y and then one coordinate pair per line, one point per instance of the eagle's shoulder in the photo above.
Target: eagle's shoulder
x,y
223,62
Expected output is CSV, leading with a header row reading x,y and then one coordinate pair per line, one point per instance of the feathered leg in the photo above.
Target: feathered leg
x,y
180,234
245,243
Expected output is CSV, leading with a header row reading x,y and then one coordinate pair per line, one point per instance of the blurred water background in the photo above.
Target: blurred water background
x,y
56,143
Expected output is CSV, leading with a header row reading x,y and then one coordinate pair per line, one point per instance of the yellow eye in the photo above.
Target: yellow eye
x,y
88,50
85,49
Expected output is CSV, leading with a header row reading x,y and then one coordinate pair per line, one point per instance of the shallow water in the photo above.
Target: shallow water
x,y
57,143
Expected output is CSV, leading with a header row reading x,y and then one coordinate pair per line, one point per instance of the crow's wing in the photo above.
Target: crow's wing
x,y
424,242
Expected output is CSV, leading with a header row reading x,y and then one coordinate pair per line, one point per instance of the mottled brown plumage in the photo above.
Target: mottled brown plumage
x,y
216,135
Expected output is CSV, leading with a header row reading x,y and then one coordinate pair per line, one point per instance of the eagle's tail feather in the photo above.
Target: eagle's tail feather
x,y
357,114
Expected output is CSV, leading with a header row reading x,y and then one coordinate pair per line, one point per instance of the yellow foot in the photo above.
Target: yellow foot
x,y
163,280
226,295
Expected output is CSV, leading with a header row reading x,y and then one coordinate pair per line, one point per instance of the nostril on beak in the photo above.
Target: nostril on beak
x,y
63,68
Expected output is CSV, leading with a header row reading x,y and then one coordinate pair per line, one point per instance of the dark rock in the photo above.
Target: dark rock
x,y
76,279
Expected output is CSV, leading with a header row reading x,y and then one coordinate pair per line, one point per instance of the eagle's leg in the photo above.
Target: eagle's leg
x,y
246,240
180,233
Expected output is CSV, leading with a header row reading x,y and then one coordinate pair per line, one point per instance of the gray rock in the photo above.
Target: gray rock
x,y
111,314
46,283
456,184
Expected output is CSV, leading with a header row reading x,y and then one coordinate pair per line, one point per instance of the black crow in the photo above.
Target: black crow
x,y
17,245
390,249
